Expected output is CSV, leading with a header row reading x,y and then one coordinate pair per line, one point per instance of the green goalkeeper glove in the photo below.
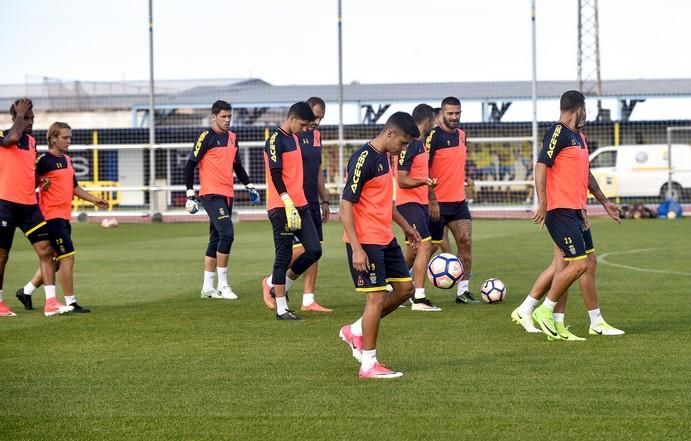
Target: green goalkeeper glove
x,y
292,214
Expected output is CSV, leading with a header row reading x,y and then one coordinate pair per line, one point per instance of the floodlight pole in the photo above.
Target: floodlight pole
x,y
534,81
340,96
152,110
669,163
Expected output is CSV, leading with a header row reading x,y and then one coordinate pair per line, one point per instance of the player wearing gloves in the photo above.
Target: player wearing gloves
x,y
315,189
288,208
216,152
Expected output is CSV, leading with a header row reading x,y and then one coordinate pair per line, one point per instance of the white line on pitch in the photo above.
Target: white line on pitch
x,y
601,259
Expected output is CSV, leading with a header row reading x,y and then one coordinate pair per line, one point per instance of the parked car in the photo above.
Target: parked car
x,y
630,171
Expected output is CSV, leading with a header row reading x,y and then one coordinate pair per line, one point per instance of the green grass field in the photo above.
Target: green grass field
x,y
153,361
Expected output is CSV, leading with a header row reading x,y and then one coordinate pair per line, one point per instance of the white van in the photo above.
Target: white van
x,y
642,170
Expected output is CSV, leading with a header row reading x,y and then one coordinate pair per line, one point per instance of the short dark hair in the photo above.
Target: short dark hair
x,y
301,110
316,101
13,111
422,113
450,101
437,110
403,122
220,105
571,101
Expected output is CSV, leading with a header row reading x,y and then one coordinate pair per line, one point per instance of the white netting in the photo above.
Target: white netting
x,y
112,155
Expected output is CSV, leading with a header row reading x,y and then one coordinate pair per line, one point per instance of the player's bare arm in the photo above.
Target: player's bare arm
x,y
360,260
405,181
22,107
541,189
86,196
324,196
612,209
433,204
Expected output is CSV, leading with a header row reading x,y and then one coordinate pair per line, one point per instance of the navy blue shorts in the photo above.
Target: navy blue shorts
x,y
315,211
386,265
221,232
60,237
567,229
417,215
448,212
27,218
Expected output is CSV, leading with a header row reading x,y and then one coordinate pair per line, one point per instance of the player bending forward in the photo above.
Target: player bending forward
x,y
373,254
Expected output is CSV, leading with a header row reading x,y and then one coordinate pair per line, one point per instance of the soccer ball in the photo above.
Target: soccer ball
x,y
493,291
109,222
444,270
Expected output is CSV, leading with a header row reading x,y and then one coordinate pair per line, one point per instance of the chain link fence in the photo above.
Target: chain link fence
x,y
111,148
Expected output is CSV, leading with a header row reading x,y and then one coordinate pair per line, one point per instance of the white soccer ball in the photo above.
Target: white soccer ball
x,y
109,222
493,291
444,270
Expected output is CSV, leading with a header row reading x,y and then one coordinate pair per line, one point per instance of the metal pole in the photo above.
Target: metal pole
x,y
152,110
168,196
534,57
597,51
340,97
669,163
579,49
597,63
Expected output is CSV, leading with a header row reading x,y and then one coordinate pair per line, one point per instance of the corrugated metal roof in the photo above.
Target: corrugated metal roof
x,y
256,92
412,92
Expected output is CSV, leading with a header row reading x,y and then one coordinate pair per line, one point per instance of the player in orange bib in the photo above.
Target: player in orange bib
x,y
411,169
18,204
55,201
374,256
562,179
314,188
444,245
216,154
313,185
561,137
448,207
288,208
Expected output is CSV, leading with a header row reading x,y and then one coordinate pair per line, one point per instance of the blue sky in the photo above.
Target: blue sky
x,y
295,42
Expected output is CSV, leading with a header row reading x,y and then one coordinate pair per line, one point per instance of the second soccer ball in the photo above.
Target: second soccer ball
x,y
493,291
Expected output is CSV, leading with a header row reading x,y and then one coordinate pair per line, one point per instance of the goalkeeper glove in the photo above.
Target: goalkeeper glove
x,y
255,199
292,214
192,206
